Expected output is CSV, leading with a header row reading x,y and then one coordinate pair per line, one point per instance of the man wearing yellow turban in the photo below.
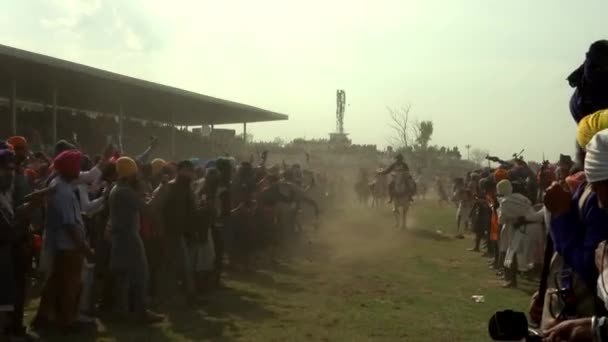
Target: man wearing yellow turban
x,y
590,125
157,166
128,260
126,168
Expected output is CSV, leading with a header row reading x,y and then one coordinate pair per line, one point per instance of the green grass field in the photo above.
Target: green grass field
x,y
357,279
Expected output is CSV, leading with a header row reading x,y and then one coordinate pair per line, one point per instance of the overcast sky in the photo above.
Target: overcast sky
x,y
488,73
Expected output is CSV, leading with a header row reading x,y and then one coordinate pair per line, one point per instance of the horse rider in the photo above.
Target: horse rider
x,y
397,166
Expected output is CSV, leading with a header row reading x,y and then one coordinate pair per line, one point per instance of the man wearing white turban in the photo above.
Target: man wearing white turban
x,y
596,166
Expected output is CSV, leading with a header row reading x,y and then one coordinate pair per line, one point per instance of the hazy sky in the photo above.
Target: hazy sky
x,y
488,73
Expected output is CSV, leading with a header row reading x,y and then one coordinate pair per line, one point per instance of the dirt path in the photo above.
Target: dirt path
x,y
356,279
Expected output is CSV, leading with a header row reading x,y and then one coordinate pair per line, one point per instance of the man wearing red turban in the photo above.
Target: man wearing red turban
x,y
66,245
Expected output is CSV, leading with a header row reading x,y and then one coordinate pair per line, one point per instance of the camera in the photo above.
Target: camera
x,y
509,325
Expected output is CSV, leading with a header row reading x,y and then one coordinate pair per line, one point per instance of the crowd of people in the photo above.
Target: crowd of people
x,y
122,233
555,219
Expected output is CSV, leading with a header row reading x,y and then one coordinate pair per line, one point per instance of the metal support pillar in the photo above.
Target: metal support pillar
x,y
245,132
13,106
173,136
54,113
121,116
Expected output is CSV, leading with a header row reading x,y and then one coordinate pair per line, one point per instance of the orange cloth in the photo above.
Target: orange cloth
x,y
494,233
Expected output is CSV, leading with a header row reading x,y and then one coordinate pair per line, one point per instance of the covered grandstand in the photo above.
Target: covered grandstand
x,y
40,92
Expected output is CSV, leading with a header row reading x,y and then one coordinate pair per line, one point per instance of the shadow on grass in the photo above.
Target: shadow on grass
x,y
105,330
211,321
263,279
215,320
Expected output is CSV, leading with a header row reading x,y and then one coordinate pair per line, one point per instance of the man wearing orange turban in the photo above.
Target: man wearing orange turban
x,y
20,147
500,174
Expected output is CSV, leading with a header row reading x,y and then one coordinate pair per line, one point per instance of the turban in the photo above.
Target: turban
x,y
157,166
596,159
17,141
590,125
67,163
501,174
125,167
504,188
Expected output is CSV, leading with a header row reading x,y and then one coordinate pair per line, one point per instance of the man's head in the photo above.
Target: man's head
x,y
126,169
212,179
7,168
62,146
224,166
504,188
565,162
596,166
185,171
67,164
157,165
20,147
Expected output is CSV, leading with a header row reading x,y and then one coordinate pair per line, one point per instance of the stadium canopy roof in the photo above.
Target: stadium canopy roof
x,y
37,77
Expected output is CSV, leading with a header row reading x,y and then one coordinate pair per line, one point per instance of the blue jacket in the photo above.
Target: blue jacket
x,y
577,235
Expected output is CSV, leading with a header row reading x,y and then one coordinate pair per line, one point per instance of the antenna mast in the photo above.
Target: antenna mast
x,y
341,101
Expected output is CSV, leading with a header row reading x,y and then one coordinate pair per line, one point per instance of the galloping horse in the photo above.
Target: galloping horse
x,y
405,189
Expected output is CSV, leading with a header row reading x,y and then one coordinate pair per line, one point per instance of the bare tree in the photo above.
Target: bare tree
x,y
468,147
399,122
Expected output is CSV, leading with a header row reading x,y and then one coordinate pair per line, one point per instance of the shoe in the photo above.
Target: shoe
x,y
473,249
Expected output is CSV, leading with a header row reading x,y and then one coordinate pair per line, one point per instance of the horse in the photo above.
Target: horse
x,y
378,189
404,190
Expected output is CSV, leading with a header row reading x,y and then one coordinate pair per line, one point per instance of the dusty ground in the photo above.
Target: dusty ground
x,y
357,279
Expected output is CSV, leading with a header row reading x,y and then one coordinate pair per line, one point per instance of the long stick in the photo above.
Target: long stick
x,y
544,278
